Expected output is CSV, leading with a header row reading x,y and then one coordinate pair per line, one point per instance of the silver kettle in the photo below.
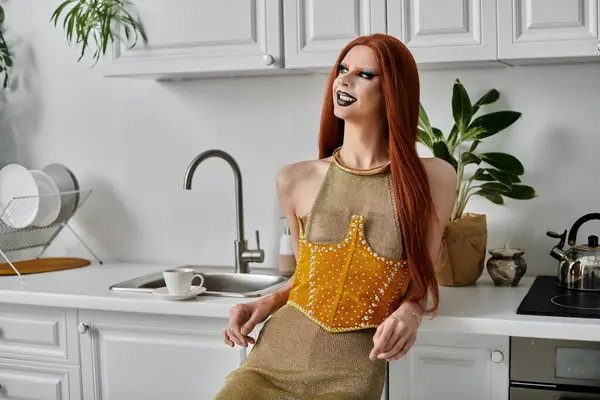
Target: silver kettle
x,y
578,266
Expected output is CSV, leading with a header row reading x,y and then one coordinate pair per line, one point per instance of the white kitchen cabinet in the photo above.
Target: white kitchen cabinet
x,y
446,31
548,30
203,37
317,30
447,366
38,381
126,356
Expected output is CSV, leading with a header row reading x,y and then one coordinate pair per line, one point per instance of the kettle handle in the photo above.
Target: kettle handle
x,y
562,237
573,232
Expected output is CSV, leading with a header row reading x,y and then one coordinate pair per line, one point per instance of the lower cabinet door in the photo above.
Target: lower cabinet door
x,y
452,366
132,356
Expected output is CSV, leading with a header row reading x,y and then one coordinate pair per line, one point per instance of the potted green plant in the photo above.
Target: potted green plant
x,y
495,176
94,24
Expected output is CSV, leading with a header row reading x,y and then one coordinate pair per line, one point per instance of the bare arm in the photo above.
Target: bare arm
x,y
285,189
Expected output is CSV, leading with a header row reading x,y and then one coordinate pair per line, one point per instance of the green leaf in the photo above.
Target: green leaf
x,y
492,123
504,162
438,135
472,133
469,158
491,196
521,192
462,109
453,138
59,10
500,176
94,24
424,138
481,175
514,178
496,187
440,150
2,15
488,98
424,119
474,145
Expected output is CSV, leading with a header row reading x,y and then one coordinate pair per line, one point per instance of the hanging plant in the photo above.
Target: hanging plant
x,y
6,62
94,24
498,175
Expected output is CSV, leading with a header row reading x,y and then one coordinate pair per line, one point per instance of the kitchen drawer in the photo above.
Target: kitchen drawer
x,y
38,333
39,381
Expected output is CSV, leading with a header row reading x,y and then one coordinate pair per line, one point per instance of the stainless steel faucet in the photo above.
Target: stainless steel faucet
x,y
243,255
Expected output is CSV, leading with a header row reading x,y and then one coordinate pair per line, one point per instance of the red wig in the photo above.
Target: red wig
x,y
400,86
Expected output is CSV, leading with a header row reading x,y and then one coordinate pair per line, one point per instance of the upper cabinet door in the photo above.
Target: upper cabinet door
x,y
317,30
534,29
442,31
204,36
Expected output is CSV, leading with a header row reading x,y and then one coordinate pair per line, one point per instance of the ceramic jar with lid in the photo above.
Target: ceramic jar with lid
x,y
506,266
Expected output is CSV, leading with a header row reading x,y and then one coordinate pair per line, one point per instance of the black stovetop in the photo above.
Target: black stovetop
x,y
546,297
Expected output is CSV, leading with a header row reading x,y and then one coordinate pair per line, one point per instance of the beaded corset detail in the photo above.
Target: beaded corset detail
x,y
346,286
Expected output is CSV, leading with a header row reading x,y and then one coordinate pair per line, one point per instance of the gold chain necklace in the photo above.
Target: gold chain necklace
x,y
372,171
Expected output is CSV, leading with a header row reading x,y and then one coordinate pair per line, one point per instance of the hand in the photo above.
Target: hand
x,y
242,320
396,335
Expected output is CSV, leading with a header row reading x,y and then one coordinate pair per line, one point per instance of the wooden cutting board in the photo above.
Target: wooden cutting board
x,y
43,265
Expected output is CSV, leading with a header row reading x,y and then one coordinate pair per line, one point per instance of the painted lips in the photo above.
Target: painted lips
x,y
344,99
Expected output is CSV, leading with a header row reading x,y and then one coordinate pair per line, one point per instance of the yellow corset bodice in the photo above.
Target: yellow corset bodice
x,y
346,286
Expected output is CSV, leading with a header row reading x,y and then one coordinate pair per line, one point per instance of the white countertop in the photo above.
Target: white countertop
x,y
88,288
478,309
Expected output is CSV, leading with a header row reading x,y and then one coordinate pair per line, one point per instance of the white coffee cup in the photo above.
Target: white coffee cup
x,y
179,280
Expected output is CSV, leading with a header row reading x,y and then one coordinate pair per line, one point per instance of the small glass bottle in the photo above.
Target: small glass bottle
x,y
287,260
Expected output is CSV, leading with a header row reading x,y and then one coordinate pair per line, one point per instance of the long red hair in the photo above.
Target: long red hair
x,y
401,93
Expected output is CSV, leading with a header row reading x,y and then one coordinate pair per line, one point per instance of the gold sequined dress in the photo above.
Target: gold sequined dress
x,y
349,277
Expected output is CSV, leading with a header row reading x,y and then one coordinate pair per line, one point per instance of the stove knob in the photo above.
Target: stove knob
x,y
497,356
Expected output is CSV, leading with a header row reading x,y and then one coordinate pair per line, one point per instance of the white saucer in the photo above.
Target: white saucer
x,y
164,293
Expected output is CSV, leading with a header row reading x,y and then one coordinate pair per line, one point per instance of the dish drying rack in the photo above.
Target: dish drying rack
x,y
16,234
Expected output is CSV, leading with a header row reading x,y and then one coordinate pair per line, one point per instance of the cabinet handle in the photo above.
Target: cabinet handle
x,y
497,356
598,45
268,59
82,328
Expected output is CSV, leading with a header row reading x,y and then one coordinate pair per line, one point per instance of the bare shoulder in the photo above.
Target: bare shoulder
x,y
299,181
291,175
439,172
442,183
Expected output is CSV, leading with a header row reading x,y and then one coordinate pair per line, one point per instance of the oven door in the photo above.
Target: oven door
x,y
518,393
560,364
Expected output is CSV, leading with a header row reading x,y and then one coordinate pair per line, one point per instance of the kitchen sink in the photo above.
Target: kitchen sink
x,y
227,284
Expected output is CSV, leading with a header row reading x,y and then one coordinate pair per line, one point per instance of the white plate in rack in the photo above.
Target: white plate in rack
x,y
68,186
19,201
49,199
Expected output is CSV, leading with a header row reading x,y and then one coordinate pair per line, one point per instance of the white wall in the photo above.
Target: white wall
x,y
131,141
